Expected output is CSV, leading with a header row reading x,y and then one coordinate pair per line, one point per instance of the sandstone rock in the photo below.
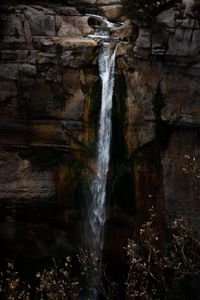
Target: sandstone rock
x,y
189,24
123,32
99,2
66,57
78,43
48,73
68,30
36,98
28,70
27,31
146,133
167,18
43,10
8,90
81,23
49,45
47,133
53,75
67,11
46,58
15,26
182,200
112,12
25,183
40,23
14,55
5,24
58,22
184,42
144,38
108,2
75,102
159,42
9,71
12,42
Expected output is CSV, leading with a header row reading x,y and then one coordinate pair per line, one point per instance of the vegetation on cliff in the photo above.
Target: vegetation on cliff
x,y
145,11
157,269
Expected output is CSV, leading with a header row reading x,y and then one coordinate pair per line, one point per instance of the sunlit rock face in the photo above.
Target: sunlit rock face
x,y
163,78
49,110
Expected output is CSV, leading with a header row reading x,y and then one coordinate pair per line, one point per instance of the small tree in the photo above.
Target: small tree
x,y
12,286
159,271
58,283
94,276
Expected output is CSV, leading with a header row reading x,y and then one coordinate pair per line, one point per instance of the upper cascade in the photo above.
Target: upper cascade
x,y
102,31
102,19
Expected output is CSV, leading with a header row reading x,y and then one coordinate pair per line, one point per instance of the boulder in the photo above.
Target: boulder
x,y
112,12
40,23
68,30
123,32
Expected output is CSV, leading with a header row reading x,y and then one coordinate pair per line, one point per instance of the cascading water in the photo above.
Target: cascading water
x,y
97,210
108,24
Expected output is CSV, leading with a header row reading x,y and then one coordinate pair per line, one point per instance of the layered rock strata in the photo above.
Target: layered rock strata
x,y
49,105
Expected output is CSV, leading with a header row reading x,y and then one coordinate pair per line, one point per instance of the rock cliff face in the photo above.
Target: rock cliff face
x,y
164,95
49,104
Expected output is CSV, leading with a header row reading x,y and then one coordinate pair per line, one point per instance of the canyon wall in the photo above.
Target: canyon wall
x,y
49,106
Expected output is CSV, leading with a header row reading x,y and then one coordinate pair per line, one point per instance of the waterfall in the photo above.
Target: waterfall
x,y
108,24
97,209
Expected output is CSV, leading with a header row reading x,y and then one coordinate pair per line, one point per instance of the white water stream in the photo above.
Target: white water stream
x,y
108,24
97,210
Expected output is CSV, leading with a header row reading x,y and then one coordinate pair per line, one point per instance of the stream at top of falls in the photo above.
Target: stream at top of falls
x,y
102,32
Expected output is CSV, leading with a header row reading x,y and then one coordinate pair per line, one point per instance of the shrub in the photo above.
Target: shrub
x,y
166,271
94,277
11,285
145,11
58,283
156,270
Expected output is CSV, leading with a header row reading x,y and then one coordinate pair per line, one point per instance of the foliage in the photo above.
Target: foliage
x,y
94,276
145,11
191,165
156,270
160,271
11,285
58,283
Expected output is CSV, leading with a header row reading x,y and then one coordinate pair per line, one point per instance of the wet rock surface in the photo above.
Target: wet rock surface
x,y
49,104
